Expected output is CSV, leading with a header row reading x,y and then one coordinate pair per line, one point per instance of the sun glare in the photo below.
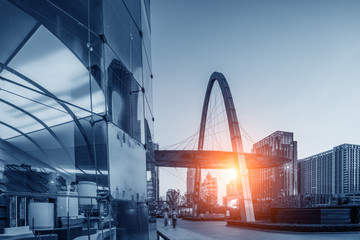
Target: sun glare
x,y
232,174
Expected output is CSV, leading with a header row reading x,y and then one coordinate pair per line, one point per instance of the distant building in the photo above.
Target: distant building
x,y
190,180
152,171
209,187
231,194
272,183
335,172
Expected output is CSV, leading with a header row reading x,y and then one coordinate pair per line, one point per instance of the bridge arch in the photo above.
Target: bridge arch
x,y
246,205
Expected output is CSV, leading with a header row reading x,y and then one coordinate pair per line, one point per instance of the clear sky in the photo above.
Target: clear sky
x,y
291,66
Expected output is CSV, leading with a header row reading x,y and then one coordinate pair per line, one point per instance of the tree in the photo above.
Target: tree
x,y
173,198
187,200
211,201
207,204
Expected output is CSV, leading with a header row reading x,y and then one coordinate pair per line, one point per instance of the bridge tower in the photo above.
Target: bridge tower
x,y
243,186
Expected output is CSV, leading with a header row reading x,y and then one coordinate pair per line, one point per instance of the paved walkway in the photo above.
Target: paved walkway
x,y
186,230
178,233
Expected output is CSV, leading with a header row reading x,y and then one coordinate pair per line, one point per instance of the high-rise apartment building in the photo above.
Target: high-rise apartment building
x,y
335,172
315,174
275,182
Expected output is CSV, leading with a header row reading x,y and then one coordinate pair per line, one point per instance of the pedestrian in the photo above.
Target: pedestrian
x,y
174,217
166,217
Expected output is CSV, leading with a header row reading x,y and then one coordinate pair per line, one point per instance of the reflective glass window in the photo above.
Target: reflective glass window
x,y
76,24
134,9
123,36
17,26
150,120
145,27
47,61
124,151
147,9
125,99
147,76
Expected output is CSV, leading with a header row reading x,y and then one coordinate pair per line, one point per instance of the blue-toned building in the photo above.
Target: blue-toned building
x,y
76,118
335,172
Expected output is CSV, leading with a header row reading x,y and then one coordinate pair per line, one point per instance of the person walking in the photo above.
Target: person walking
x,y
174,217
166,217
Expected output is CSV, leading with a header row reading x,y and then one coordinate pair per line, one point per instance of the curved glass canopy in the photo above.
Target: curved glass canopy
x,y
48,99
75,97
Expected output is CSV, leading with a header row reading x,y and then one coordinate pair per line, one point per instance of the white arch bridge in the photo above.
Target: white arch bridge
x,y
236,159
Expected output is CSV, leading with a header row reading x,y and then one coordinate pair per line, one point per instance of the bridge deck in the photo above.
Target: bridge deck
x,y
213,159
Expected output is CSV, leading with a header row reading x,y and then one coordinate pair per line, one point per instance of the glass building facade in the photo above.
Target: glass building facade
x,y
270,184
76,122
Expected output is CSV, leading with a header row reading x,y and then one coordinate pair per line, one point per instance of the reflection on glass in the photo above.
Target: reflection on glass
x,y
125,100
123,36
124,151
72,114
45,60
